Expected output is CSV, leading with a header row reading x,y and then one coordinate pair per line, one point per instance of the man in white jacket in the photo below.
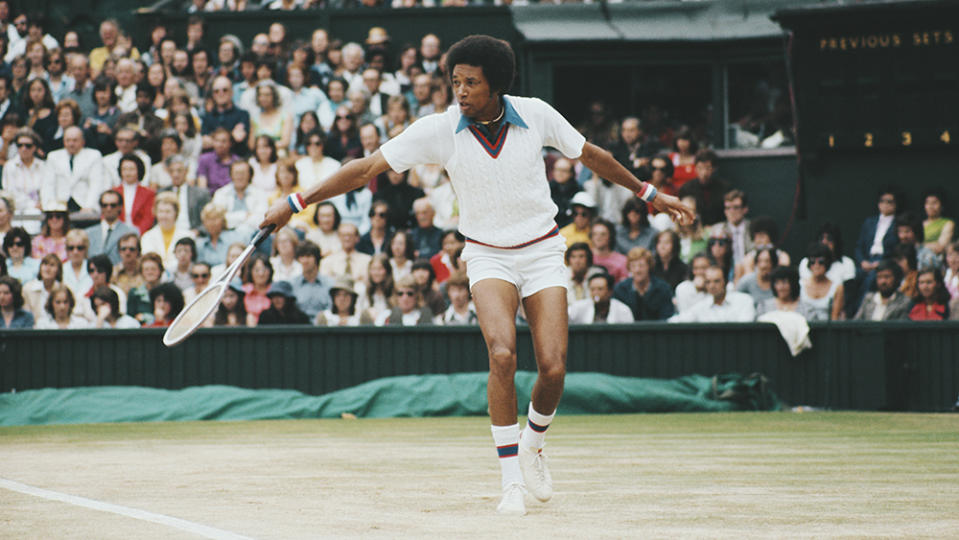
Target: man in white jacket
x,y
79,171
600,307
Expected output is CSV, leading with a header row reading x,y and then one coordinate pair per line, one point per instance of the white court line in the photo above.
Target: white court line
x,y
143,515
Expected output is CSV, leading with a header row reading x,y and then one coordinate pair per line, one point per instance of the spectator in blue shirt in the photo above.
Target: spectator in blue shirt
x,y
12,314
312,291
650,298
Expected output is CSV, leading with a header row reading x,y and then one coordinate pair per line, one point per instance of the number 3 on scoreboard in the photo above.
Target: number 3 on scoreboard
x,y
868,142
945,137
906,138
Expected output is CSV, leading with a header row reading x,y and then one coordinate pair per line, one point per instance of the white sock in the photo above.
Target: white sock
x,y
506,439
535,430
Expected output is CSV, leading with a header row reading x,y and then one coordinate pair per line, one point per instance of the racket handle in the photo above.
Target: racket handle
x,y
261,236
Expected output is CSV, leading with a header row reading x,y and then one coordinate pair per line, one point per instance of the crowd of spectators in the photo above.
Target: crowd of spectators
x,y
167,159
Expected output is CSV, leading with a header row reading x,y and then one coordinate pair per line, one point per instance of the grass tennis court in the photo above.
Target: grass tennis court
x,y
670,475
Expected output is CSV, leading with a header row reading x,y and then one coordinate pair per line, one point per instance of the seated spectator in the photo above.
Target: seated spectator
x,y
660,175
764,234
106,304
562,188
409,310
693,238
634,230
736,225
378,290
234,121
213,247
139,305
343,310
143,117
427,238
270,118
843,268
200,275
245,205
579,260
635,147
17,245
127,141
27,179
822,298
583,207
396,119
721,306
138,201
7,209
952,269
213,168
668,266
59,313
126,273
79,171
400,195
932,301
163,238
757,284
326,234
264,164
937,230
171,148
75,273
609,198
286,181
105,236
282,308
98,127
401,254
192,199
905,256
347,261
600,307
316,166
354,207
460,311
285,265
257,279
647,296
167,301
877,236
232,309
426,284
786,288
909,232
38,105
12,314
887,303
312,290
707,188
683,157
100,269
184,251
447,262
376,240
602,237
37,291
693,290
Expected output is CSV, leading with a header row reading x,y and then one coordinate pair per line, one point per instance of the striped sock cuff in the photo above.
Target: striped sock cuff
x,y
509,450
536,427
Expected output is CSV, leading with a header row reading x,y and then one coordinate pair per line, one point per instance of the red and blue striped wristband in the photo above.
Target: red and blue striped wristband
x,y
648,193
296,202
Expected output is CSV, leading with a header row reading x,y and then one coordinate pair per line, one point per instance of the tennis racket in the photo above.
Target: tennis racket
x,y
206,302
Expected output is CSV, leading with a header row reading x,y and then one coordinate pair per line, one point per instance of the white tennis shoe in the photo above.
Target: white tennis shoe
x,y
536,473
513,502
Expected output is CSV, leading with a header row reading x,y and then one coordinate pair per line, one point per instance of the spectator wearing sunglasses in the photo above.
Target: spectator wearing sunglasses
x,y
27,178
583,208
764,234
17,245
410,309
375,240
823,297
75,274
735,208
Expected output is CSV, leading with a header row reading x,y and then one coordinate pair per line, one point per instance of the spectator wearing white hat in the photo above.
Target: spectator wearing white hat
x,y
583,207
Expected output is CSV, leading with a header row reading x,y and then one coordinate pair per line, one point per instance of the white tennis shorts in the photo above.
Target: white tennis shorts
x,y
531,268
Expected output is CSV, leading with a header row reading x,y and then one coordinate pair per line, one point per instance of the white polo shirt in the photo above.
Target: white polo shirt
x,y
501,185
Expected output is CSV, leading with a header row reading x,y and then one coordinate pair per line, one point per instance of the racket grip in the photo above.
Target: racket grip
x,y
261,236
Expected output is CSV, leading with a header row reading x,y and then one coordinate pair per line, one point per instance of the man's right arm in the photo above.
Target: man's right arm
x,y
353,175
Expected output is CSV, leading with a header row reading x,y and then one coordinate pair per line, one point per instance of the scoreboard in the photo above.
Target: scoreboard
x,y
876,77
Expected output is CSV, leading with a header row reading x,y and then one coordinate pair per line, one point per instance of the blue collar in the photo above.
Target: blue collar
x,y
510,115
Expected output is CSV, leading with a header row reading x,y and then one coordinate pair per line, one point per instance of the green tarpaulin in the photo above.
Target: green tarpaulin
x,y
416,395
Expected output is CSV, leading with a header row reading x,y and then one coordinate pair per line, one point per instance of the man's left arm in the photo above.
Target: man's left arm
x,y
605,166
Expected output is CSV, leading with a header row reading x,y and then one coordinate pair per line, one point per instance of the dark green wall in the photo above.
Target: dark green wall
x,y
865,366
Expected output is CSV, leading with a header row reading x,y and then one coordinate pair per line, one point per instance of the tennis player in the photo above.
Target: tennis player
x,y
491,145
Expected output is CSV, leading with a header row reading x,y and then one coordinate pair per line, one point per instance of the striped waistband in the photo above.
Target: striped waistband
x,y
550,234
